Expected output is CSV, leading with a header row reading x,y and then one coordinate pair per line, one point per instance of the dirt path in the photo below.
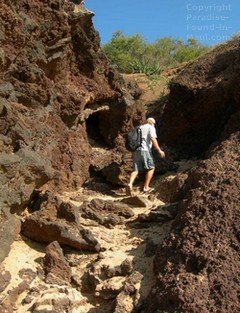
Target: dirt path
x,y
130,241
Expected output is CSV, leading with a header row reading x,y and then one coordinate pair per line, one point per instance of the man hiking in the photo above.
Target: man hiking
x,y
142,157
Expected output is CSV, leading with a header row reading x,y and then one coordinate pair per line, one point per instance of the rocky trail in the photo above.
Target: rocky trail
x,y
70,241
116,279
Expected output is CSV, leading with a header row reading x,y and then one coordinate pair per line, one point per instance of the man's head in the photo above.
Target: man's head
x,y
151,121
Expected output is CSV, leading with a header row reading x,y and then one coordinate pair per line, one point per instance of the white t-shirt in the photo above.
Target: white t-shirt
x,y
148,131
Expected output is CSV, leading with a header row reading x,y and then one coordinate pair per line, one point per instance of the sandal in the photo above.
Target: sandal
x,y
148,190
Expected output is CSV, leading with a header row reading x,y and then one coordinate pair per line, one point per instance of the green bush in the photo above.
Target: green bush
x,y
133,54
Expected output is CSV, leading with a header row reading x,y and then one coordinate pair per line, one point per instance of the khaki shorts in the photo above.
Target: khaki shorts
x,y
142,160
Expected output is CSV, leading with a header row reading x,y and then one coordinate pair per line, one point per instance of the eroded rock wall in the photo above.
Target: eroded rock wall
x,y
53,78
202,98
197,267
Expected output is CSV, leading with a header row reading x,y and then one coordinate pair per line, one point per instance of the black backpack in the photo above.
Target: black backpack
x,y
133,139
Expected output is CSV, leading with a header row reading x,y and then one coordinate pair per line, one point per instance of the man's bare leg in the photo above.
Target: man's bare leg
x,y
133,176
148,178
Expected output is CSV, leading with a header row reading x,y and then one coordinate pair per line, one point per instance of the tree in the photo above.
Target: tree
x,y
134,54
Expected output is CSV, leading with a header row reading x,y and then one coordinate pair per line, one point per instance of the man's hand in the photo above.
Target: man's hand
x,y
156,146
161,153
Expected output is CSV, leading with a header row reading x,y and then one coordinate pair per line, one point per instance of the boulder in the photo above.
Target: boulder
x,y
42,230
124,269
171,188
161,214
9,302
109,288
10,226
128,299
55,220
137,201
107,213
56,268
20,174
27,274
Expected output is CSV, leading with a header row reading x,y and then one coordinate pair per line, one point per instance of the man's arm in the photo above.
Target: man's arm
x,y
157,148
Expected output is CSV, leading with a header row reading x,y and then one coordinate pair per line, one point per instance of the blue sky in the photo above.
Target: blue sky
x,y
209,21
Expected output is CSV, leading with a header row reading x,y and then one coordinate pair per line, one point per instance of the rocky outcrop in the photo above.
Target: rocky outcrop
x,y
202,99
107,213
161,214
56,268
41,230
57,86
55,220
171,189
9,230
197,267
136,201
128,299
20,174
58,98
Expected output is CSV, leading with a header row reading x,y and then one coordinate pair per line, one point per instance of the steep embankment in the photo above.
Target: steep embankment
x,y
202,99
58,99
198,266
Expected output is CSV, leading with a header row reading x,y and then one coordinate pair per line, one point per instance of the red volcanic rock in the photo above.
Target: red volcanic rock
x,y
55,220
107,213
56,86
10,226
58,81
42,230
55,265
202,98
171,189
198,265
